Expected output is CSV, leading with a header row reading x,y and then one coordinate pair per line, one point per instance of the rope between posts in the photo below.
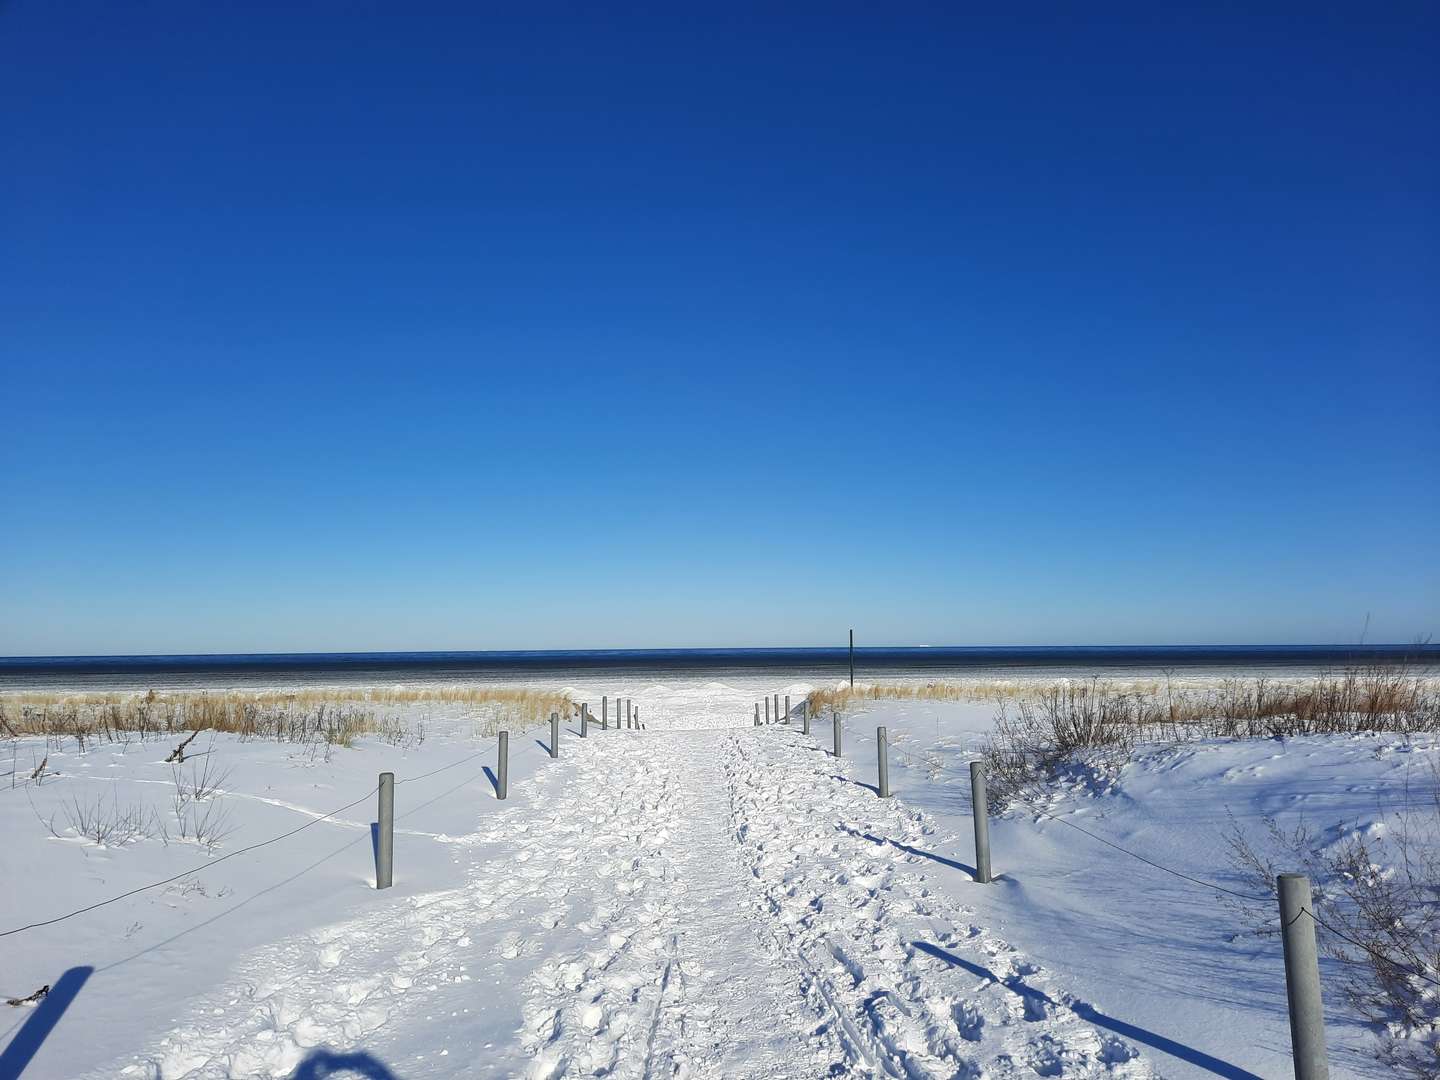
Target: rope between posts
x,y
1407,969
187,873
1094,836
1141,858
1382,957
240,851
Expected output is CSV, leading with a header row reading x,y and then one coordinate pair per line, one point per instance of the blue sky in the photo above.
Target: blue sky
x,y
339,327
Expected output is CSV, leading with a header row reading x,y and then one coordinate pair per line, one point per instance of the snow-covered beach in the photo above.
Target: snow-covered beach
x,y
702,897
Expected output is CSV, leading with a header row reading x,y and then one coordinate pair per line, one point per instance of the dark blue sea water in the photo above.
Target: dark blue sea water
x,y
816,664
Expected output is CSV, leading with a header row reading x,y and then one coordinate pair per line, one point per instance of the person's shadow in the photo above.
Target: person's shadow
x,y
322,1063
42,1021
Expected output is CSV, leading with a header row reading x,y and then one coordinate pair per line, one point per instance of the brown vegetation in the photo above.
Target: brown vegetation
x,y
330,716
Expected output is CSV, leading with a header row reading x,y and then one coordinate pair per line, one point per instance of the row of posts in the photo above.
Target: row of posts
x,y
630,720
979,804
1297,920
385,838
773,701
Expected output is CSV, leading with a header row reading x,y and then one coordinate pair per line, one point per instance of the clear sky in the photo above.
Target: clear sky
x,y
350,326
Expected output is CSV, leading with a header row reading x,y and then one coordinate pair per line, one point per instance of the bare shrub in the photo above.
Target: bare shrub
x,y
1090,728
108,824
1095,726
204,823
204,778
200,816
1377,907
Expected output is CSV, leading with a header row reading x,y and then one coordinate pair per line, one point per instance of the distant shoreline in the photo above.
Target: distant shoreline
x,y
820,664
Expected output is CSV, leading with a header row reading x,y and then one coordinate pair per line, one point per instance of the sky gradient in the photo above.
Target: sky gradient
x,y
338,327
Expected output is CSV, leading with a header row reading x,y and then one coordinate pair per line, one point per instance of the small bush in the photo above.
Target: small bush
x,y
108,824
1092,728
1377,902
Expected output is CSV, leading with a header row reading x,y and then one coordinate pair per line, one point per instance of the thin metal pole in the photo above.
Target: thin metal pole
x,y
852,658
554,734
980,809
502,771
884,762
836,717
385,841
1302,977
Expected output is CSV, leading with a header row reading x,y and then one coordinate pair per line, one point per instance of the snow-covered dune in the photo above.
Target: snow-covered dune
x,y
701,898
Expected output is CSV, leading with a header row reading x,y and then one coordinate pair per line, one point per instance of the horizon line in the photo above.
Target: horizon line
x,y
1423,647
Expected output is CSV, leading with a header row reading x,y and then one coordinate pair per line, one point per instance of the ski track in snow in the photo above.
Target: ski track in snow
x,y
749,912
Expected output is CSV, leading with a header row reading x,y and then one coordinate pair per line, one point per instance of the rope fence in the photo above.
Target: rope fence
x,y
384,788
1302,972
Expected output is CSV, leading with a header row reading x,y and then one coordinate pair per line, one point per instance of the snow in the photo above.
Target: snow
x,y
702,898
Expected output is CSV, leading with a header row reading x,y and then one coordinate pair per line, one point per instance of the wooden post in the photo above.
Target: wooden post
x,y
502,772
1302,977
980,809
385,841
884,763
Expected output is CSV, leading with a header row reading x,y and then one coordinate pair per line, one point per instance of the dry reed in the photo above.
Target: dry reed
x,y
334,716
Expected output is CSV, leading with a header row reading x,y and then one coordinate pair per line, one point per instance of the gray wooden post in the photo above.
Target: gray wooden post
x,y
584,721
502,771
767,708
385,842
805,716
757,714
629,715
777,707
554,734
1302,977
980,810
836,717
787,708
884,763
604,713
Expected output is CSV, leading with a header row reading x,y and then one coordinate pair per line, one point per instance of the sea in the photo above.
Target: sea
x,y
817,666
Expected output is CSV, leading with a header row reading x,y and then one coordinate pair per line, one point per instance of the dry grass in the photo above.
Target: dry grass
x,y
1096,727
1368,699
847,697
333,716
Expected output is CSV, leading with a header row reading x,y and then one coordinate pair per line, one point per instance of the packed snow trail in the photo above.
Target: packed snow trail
x,y
680,979
680,903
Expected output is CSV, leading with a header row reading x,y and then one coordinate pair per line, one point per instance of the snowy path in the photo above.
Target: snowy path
x,y
684,981
680,903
